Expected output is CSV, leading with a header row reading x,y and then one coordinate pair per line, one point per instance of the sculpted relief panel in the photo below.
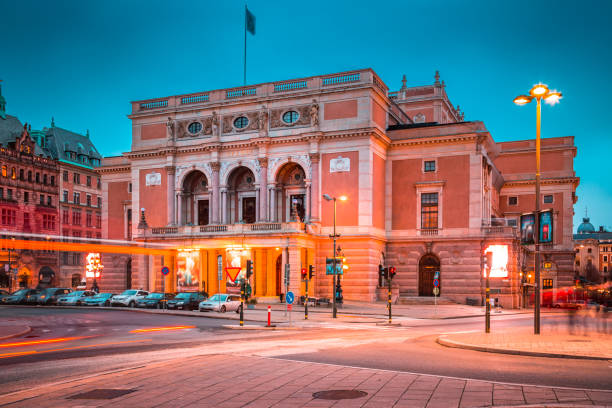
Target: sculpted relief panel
x,y
276,117
205,128
253,122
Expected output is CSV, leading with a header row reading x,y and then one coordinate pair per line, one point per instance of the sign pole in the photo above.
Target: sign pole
x,y
389,300
219,277
306,301
242,304
488,302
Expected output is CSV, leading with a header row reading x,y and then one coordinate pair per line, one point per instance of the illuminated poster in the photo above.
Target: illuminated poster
x,y
546,227
188,271
236,257
527,228
499,267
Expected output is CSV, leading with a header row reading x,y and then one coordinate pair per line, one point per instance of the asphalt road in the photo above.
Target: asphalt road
x,y
73,343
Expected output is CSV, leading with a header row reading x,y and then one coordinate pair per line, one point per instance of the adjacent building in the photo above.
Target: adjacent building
x,y
593,251
228,175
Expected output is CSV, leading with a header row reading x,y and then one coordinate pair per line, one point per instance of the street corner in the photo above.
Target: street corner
x,y
8,332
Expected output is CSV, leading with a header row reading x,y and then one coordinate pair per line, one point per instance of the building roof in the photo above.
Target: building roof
x,y
586,227
61,143
587,231
10,129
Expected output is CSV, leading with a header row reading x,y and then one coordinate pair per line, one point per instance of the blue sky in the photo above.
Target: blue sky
x,y
83,62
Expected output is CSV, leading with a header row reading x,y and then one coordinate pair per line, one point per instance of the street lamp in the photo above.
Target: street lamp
x,y
538,92
334,236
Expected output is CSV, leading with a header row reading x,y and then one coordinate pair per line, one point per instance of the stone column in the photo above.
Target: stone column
x,y
179,206
215,166
308,203
272,190
315,193
170,171
263,192
257,206
224,211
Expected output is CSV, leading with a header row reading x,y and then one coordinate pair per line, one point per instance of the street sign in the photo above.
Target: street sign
x,y
437,275
436,283
289,307
290,298
436,291
165,270
233,272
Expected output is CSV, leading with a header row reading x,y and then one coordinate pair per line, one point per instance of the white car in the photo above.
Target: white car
x,y
129,297
221,302
75,298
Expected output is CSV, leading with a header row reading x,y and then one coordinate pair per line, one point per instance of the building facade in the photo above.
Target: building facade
x,y
235,174
593,251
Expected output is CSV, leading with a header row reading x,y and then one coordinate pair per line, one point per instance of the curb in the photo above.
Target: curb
x,y
455,344
257,327
21,333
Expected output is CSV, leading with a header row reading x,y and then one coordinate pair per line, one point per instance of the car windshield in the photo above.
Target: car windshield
x,y
129,293
20,292
77,293
102,296
183,296
217,298
155,296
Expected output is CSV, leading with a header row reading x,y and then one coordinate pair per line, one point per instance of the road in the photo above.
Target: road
x,y
73,343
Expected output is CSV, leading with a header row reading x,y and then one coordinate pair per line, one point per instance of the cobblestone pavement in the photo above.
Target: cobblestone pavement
x,y
244,381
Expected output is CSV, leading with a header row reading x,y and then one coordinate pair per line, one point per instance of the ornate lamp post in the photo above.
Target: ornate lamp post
x,y
334,236
538,92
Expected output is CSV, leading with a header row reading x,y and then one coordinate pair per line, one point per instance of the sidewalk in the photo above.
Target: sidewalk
x,y
593,345
228,381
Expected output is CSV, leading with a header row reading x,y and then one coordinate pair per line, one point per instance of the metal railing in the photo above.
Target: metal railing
x,y
341,79
290,86
237,93
230,228
194,99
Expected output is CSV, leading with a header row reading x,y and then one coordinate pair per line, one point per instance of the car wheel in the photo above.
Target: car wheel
x,y
239,308
78,303
222,309
131,304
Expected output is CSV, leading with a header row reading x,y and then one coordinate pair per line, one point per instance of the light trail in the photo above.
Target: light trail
x,y
157,329
26,353
35,245
33,342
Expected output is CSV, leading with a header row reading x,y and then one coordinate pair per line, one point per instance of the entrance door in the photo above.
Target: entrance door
x,y
248,210
427,268
202,212
297,207
279,270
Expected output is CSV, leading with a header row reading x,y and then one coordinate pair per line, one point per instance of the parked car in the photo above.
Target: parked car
x,y
155,300
186,301
18,297
75,298
3,294
221,302
49,296
128,297
32,297
99,299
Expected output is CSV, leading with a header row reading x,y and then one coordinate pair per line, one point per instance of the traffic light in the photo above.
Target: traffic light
x,y
249,268
487,259
392,272
304,274
381,271
310,271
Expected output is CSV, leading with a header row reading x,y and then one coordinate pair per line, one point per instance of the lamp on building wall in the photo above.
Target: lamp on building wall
x,y
538,92
334,236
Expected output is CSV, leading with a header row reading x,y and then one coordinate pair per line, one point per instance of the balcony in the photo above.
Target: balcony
x,y
229,229
500,231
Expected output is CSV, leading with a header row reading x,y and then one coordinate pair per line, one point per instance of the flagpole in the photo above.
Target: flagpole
x,y
245,40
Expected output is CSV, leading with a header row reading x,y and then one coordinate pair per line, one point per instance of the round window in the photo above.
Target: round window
x,y
194,127
290,117
241,122
249,180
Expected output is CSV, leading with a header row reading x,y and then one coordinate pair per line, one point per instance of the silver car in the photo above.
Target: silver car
x,y
75,298
221,302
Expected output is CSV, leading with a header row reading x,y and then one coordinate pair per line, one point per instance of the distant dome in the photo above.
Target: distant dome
x,y
586,227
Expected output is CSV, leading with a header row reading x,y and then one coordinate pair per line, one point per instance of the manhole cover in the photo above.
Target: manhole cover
x,y
101,393
339,394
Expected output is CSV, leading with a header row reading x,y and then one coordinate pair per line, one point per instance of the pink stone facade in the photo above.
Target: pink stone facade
x,y
243,171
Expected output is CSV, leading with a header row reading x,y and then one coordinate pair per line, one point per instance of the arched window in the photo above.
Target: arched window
x,y
4,171
13,173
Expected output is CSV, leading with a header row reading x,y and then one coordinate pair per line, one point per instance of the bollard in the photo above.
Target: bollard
x,y
269,313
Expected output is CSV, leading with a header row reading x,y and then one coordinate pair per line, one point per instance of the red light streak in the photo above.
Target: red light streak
x,y
154,329
8,355
30,343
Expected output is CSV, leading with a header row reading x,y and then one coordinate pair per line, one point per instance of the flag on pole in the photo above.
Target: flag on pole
x,y
250,21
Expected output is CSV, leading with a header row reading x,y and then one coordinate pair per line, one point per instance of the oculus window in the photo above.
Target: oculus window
x,y
290,117
241,122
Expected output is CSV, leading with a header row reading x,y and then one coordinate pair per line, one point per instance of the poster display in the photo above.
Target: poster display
x,y
527,228
546,227
499,262
236,257
188,271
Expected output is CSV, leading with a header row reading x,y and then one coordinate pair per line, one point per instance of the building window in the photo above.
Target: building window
x,y
589,250
65,196
26,220
9,217
76,260
4,171
1,192
9,194
65,175
98,221
49,201
605,269
21,174
194,128
99,202
76,178
429,165
129,187
42,199
290,117
512,223
88,200
241,122
605,258
26,196
37,178
52,180
88,181
48,222
88,219
548,199
99,183
45,179
98,235
76,198
76,218
429,210
547,283
513,200
13,173
577,262
30,175
65,216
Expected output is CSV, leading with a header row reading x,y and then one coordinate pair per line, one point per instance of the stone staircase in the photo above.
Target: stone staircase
x,y
423,300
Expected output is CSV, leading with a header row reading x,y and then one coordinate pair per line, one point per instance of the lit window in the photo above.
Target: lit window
x,y
241,122
513,200
429,165
429,210
194,128
290,117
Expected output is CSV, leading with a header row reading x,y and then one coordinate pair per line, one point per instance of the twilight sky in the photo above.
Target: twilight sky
x,y
84,61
